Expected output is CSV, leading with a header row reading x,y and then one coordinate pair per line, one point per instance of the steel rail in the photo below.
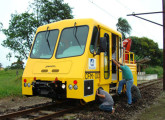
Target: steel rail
x,y
146,84
23,112
37,109
56,114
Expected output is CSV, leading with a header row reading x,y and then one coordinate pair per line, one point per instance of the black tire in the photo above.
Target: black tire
x,y
136,95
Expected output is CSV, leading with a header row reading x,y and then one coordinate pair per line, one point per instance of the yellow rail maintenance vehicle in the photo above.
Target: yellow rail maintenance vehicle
x,y
71,59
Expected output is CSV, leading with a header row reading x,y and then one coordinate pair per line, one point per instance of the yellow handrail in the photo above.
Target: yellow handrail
x,y
129,58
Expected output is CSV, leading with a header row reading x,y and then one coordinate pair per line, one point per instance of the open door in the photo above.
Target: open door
x,y
114,56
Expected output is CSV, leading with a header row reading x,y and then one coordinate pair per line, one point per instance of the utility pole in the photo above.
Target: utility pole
x,y
163,3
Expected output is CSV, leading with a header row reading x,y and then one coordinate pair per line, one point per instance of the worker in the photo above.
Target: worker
x,y
113,53
106,99
128,80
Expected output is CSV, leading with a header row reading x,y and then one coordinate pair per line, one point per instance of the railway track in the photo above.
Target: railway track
x,y
52,110
149,83
39,113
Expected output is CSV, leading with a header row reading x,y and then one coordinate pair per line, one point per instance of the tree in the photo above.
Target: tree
x,y
22,27
145,47
1,25
17,65
20,33
8,56
123,27
48,11
0,65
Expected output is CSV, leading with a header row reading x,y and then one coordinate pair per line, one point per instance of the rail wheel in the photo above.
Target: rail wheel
x,y
82,102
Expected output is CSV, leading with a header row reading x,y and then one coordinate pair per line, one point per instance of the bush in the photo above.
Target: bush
x,y
155,70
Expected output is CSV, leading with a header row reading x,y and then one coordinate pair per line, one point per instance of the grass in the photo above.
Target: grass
x,y
10,83
155,70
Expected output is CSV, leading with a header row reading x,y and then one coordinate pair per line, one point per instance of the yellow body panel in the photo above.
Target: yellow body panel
x,y
75,68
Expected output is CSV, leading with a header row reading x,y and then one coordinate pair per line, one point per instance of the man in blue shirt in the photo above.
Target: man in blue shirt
x,y
128,80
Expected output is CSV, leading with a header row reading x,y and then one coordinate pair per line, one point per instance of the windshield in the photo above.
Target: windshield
x,y
44,44
72,42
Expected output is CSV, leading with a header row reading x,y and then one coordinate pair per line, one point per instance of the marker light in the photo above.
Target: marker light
x,y
25,84
35,78
70,86
56,79
75,87
63,86
25,80
75,82
28,84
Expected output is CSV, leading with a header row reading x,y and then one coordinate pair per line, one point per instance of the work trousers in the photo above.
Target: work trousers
x,y
106,108
128,89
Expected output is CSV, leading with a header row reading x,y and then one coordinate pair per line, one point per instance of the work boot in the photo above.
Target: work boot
x,y
129,105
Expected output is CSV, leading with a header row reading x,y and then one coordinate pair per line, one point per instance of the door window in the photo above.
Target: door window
x,y
106,58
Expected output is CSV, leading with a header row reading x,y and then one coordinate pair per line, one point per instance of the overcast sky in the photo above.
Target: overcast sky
x,y
104,11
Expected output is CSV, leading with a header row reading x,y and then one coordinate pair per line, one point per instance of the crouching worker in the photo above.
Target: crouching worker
x,y
106,99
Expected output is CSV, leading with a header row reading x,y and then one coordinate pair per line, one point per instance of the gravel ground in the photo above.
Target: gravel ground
x,y
91,110
122,112
12,104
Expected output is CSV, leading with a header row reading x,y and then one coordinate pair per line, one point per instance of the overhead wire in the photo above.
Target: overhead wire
x,y
108,12
125,7
103,9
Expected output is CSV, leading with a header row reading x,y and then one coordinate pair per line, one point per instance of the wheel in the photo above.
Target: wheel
x,y
82,102
135,93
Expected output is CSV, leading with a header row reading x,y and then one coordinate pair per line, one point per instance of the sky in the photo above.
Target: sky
x,y
104,11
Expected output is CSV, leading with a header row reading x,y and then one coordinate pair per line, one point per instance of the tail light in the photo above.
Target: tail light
x,y
56,79
25,80
35,78
75,82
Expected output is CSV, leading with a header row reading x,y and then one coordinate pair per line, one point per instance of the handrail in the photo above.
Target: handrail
x,y
126,52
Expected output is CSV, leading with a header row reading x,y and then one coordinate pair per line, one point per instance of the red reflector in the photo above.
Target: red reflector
x,y
75,81
35,78
56,79
25,80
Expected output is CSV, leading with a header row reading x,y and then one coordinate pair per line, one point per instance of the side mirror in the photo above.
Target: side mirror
x,y
103,44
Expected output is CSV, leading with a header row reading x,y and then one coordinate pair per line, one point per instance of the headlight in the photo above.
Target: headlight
x,y
75,87
28,84
63,86
25,84
70,86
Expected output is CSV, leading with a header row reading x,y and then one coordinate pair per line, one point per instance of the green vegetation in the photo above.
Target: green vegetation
x,y
124,27
22,27
146,48
10,83
155,70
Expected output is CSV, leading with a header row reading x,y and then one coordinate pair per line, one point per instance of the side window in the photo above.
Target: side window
x,y
106,59
114,46
120,47
94,38
114,52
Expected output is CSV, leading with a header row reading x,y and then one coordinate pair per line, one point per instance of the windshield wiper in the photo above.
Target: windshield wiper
x,y
46,37
74,33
